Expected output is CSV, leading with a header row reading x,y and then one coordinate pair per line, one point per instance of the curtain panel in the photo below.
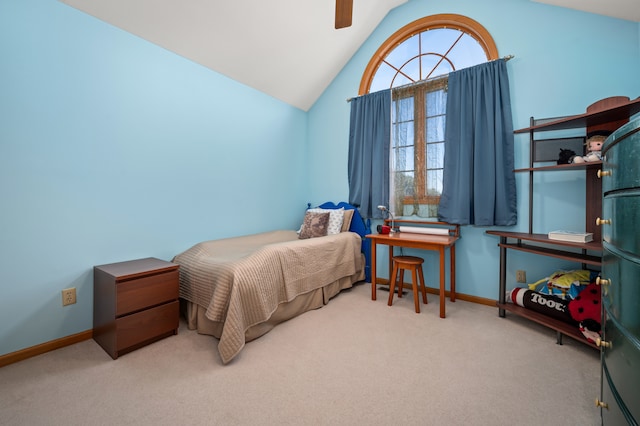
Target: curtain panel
x,y
479,185
369,142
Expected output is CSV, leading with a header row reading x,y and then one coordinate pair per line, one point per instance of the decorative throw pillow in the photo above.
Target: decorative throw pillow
x,y
314,225
336,218
346,220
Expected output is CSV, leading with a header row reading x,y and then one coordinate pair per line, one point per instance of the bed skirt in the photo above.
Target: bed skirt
x,y
195,315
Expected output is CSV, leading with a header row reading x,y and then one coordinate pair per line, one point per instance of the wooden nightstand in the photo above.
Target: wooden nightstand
x,y
134,303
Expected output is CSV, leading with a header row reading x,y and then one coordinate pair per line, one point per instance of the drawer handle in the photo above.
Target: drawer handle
x,y
602,343
602,281
603,221
603,173
601,404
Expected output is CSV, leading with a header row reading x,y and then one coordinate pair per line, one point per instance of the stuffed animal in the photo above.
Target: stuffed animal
x,y
594,143
565,156
564,284
586,310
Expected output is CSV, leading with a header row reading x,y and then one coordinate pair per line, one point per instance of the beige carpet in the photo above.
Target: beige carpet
x,y
353,362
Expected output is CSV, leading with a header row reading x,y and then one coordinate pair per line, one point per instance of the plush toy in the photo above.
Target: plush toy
x,y
594,147
564,284
548,304
565,156
586,310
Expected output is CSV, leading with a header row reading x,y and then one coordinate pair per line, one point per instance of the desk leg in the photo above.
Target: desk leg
x,y
452,262
442,300
373,270
391,265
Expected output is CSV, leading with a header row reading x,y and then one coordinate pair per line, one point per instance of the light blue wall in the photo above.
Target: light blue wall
x,y
564,61
113,149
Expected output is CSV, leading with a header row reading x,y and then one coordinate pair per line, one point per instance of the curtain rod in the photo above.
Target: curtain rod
x,y
505,58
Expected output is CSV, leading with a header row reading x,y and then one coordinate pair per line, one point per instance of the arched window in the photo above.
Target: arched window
x,y
426,50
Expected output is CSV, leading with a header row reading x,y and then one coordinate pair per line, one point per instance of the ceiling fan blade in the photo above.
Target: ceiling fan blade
x,y
344,10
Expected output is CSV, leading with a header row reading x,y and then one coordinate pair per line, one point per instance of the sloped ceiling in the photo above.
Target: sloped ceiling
x,y
287,49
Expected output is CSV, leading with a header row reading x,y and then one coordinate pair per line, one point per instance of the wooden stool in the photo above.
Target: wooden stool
x,y
413,263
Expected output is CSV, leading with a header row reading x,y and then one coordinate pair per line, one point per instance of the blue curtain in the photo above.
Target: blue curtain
x,y
369,144
478,182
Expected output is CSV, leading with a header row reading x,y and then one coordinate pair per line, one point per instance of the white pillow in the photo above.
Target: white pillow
x,y
336,217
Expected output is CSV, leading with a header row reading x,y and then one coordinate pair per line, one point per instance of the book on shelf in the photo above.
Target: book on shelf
x,y
574,237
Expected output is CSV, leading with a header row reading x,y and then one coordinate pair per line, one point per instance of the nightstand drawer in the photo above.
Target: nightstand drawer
x,y
147,325
142,293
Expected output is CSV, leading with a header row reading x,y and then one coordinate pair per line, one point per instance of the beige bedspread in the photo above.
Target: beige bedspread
x,y
242,280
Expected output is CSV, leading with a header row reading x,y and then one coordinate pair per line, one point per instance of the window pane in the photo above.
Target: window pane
x,y
434,182
429,62
467,52
439,40
404,183
403,159
402,110
435,155
405,50
435,129
436,103
382,78
403,134
400,80
412,70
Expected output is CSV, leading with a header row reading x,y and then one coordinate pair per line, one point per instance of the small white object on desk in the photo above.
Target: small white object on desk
x,y
421,230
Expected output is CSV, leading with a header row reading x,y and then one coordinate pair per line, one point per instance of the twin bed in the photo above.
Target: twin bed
x,y
238,289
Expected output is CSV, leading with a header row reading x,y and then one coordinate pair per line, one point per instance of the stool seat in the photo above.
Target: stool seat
x,y
413,264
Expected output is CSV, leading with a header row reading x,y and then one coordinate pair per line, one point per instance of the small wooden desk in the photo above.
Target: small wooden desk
x,y
419,241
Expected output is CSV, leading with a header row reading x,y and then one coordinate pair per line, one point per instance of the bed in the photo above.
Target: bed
x,y
237,289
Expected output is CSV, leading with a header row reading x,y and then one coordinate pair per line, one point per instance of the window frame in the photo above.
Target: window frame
x,y
445,20
439,21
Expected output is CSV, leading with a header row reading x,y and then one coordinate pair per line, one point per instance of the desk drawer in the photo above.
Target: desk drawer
x,y
142,326
142,293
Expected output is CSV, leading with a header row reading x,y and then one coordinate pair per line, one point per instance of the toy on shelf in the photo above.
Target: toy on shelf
x,y
594,147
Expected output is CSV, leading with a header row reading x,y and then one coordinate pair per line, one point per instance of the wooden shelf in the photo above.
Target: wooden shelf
x,y
552,323
580,257
544,238
605,115
565,167
611,112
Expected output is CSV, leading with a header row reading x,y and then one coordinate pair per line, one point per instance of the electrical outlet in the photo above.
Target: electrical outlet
x,y
68,296
521,276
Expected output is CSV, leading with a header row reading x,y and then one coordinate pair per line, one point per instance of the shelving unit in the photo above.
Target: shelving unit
x,y
606,114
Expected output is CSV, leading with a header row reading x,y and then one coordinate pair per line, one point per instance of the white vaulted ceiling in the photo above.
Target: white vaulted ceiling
x,y
287,49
